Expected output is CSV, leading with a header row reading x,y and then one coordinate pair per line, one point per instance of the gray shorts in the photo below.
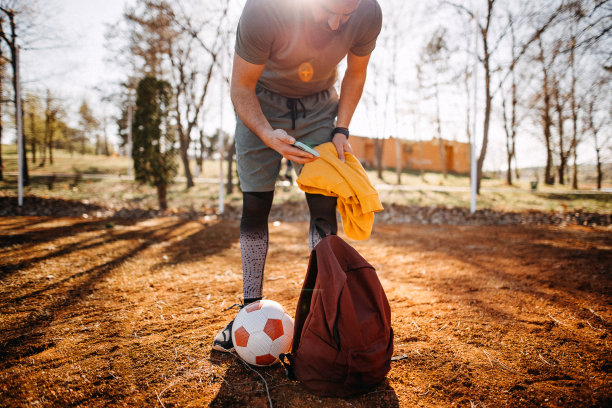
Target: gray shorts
x,y
258,165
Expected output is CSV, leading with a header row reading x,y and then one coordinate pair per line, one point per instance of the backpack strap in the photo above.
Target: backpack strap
x,y
287,361
319,224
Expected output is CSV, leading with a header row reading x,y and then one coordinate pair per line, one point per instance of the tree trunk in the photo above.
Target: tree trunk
x,y
229,186
26,173
33,148
509,171
574,117
200,155
185,160
488,97
378,152
162,196
487,116
45,140
184,152
510,130
2,72
549,178
1,164
599,172
50,147
562,153
439,129
32,137
517,174
398,160
421,158
574,169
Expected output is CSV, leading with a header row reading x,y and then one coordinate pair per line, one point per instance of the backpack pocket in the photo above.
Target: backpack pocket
x,y
369,366
317,360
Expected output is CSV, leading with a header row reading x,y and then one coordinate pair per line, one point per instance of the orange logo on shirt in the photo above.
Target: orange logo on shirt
x,y
305,71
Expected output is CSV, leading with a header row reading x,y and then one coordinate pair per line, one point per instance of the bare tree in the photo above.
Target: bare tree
x,y
590,40
34,124
545,113
491,36
434,59
564,149
485,59
89,125
511,117
191,76
176,44
10,39
598,123
576,17
371,101
230,149
399,23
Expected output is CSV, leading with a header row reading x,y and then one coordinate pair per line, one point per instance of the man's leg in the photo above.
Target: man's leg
x,y
253,251
323,211
254,240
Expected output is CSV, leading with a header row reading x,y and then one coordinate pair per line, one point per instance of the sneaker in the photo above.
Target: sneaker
x,y
223,339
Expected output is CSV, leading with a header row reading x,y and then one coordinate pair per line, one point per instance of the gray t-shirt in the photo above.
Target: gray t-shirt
x,y
301,56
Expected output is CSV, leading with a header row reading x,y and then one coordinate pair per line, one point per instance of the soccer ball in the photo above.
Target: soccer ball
x,y
262,330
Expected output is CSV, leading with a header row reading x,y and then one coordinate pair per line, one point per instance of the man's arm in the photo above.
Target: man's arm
x,y
350,94
244,79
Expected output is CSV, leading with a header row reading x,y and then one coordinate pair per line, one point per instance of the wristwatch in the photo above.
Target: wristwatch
x,y
342,130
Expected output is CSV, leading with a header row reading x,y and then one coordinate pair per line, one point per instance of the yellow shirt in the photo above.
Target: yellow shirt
x,y
357,198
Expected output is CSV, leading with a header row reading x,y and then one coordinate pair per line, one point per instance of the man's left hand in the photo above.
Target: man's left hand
x,y
342,145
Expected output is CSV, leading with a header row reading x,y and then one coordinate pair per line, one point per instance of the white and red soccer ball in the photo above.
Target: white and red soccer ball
x,y
262,330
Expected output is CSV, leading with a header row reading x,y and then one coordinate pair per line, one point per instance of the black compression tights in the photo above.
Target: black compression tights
x,y
254,236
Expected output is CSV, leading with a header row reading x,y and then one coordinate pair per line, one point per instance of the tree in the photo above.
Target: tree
x,y
11,41
34,124
545,113
430,72
89,125
170,41
51,126
398,24
511,119
154,152
576,15
491,36
2,86
370,100
230,149
597,119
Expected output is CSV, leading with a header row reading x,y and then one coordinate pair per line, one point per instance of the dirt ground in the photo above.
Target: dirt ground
x,y
118,312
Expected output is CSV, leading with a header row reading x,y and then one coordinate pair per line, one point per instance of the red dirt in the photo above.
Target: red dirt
x,y
103,312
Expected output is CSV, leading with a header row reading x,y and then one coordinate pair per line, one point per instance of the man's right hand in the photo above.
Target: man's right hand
x,y
282,142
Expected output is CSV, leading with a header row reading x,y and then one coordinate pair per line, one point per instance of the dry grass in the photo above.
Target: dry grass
x,y
103,180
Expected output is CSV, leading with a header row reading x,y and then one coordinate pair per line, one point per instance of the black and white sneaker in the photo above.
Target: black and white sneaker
x,y
223,339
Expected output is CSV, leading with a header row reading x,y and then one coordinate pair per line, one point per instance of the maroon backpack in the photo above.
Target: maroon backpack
x,y
342,339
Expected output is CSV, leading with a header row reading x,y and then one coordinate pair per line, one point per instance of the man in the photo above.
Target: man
x,y
285,67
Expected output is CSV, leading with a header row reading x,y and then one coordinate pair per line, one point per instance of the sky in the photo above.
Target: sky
x,y
74,65
77,64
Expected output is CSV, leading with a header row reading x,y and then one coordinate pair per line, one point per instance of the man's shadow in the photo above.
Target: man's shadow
x,y
249,386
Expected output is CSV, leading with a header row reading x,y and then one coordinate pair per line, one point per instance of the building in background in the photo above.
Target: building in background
x,y
414,155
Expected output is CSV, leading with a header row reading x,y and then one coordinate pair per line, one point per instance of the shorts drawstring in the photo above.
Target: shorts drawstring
x,y
292,104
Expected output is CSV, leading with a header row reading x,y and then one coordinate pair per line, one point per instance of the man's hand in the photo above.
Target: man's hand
x,y
342,145
282,142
